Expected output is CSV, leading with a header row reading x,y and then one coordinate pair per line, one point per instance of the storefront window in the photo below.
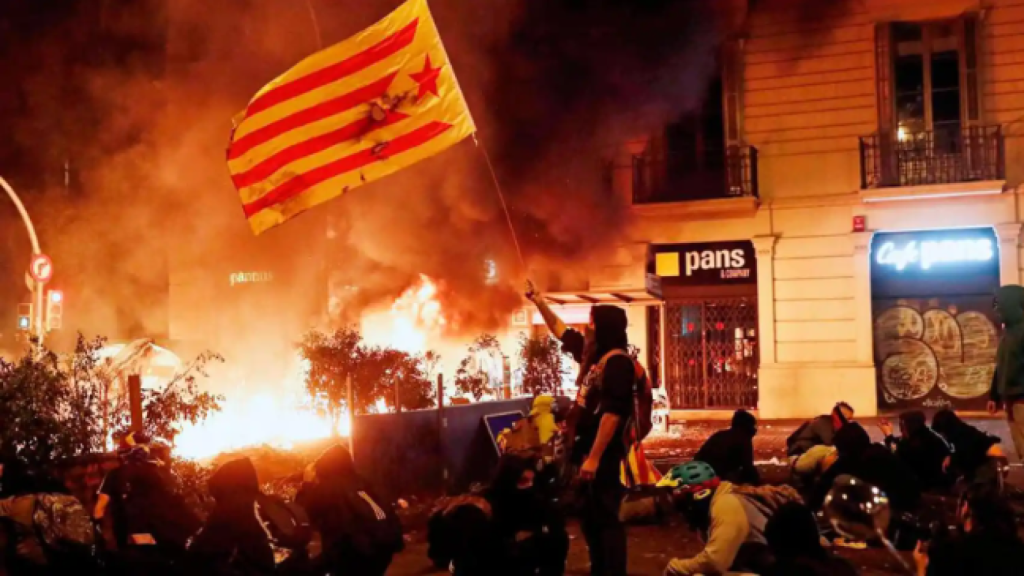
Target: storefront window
x,y
935,333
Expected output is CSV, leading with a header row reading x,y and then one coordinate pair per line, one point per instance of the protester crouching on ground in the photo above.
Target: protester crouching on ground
x,y
532,535
730,452
976,457
1007,392
985,543
603,408
233,540
146,523
921,449
461,536
793,536
873,463
731,517
812,443
360,532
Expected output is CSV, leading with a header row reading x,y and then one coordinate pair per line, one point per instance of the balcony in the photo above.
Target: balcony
x,y
684,176
932,159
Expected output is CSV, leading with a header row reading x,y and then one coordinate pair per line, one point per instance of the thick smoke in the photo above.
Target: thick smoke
x,y
555,87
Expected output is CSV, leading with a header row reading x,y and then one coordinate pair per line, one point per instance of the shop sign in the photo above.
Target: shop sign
x,y
236,278
932,263
929,253
706,263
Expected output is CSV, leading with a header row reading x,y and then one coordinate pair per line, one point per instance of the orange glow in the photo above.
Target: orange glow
x,y
412,322
279,417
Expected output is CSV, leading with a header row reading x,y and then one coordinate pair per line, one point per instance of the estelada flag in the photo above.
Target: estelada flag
x,y
353,113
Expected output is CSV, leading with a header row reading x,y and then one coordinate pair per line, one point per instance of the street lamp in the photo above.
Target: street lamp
x,y
37,287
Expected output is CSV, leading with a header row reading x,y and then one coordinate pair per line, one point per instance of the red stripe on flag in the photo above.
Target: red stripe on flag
x,y
372,55
303,182
309,115
316,144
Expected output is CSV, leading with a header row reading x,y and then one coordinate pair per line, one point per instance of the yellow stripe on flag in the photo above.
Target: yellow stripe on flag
x,y
348,115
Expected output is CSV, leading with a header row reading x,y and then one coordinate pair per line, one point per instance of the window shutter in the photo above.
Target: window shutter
x,y
883,77
969,84
732,92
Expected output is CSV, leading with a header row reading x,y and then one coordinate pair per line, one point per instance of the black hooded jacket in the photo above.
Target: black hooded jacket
x,y
922,450
872,463
233,540
529,531
970,445
517,509
610,393
730,452
328,501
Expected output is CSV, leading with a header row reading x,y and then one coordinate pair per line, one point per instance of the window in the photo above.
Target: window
x,y
933,67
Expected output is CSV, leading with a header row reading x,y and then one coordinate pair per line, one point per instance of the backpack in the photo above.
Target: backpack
x,y
286,522
377,531
62,523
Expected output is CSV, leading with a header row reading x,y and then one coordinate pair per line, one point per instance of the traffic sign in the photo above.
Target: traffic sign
x,y
41,268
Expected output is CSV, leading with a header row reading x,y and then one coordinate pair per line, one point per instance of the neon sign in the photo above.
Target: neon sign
x,y
928,253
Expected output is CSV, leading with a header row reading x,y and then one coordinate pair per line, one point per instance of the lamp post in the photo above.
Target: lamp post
x,y
37,287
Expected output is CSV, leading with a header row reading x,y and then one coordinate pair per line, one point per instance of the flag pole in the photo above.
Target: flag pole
x,y
316,25
501,197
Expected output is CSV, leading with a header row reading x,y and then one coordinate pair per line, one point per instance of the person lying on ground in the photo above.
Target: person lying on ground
x,y
730,452
731,517
233,540
793,536
986,541
976,457
531,531
360,532
812,443
873,463
921,449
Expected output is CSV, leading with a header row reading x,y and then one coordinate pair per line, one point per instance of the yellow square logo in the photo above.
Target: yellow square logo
x,y
666,264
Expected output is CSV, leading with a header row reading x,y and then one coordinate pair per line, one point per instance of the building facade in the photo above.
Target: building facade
x,y
839,233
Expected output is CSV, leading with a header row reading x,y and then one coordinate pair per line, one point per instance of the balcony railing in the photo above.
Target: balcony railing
x,y
681,176
970,154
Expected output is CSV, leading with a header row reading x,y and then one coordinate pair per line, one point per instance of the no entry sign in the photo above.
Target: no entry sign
x,y
41,268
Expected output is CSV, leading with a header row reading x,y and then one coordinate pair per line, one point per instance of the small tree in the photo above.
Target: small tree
x,y
543,364
376,373
54,407
394,370
333,357
470,378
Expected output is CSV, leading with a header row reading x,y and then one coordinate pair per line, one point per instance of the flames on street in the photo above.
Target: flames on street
x,y
282,415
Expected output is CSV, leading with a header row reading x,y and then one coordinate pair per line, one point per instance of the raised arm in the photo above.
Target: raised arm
x,y
552,320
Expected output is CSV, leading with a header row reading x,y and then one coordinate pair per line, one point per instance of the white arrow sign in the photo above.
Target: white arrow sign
x,y
41,268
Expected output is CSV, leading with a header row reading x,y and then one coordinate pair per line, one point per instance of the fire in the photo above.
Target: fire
x,y
279,416
256,420
412,321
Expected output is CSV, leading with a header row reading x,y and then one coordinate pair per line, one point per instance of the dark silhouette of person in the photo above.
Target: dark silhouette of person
x,y
730,452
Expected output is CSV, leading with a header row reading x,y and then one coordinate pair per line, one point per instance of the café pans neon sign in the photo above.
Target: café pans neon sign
x,y
928,253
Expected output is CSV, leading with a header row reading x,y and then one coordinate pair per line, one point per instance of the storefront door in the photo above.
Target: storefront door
x,y
709,333
935,332
711,355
